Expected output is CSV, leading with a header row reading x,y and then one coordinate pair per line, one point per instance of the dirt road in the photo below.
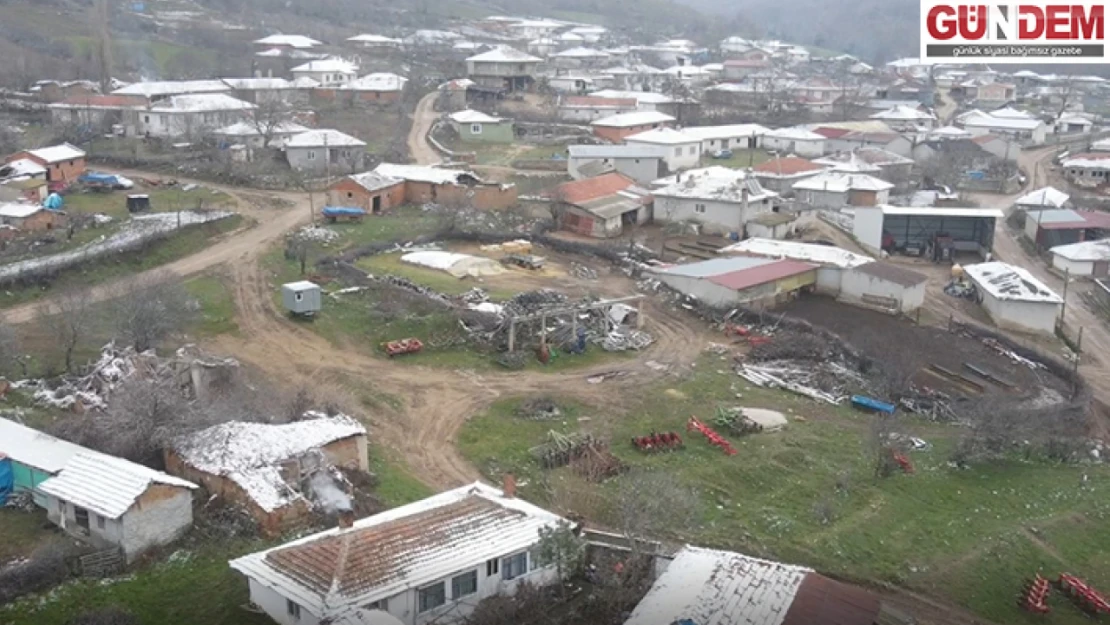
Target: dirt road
x,y
422,119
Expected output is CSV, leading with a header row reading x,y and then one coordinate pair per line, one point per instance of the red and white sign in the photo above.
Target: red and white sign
x,y
1036,31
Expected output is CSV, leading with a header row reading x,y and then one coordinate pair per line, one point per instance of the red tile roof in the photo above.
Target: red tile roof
x,y
761,274
831,133
823,601
787,166
585,100
1091,219
589,189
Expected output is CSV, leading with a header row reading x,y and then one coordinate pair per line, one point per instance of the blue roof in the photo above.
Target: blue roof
x,y
343,210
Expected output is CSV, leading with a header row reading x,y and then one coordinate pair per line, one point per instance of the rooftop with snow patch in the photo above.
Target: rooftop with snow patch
x,y
1010,282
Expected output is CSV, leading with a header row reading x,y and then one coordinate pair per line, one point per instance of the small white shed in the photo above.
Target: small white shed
x,y
884,285
1086,258
1014,298
112,502
301,298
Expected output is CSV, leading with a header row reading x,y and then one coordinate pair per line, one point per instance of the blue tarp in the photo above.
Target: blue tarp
x,y
343,211
95,177
867,403
53,202
7,479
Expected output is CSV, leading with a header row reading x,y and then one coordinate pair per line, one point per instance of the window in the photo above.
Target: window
x,y
699,208
100,522
513,567
491,565
146,119
298,296
311,155
350,195
464,585
678,151
81,516
382,604
475,129
293,609
431,597
693,150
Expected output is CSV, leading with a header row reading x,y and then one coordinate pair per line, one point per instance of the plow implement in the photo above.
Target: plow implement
x,y
667,441
713,437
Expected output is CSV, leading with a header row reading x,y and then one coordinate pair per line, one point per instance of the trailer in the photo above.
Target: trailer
x,y
342,213
99,181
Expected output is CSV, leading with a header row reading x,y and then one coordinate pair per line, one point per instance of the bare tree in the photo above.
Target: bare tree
x,y
9,350
69,319
649,505
883,439
150,308
269,118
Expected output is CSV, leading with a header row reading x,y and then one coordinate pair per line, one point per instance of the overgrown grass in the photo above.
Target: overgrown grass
x,y
194,586
740,159
396,486
161,201
191,239
22,532
961,534
217,307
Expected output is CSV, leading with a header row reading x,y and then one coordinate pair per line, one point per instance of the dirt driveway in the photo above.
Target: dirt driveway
x,y
422,119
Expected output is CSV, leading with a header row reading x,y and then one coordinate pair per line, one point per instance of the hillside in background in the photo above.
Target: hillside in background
x,y
201,38
873,30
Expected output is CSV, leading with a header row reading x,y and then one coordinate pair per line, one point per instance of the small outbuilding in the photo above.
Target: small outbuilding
x,y
1042,199
1087,258
475,126
114,503
885,286
740,280
832,262
30,217
34,456
1054,227
925,230
1014,298
370,191
603,206
301,298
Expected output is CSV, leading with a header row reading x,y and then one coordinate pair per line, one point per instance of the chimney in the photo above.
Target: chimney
x,y
508,485
346,518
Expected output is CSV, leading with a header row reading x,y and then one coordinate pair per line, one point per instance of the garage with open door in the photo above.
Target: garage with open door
x,y
936,233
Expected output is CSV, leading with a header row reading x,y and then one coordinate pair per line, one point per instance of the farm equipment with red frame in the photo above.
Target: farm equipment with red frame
x,y
402,346
1089,599
654,442
1034,595
710,435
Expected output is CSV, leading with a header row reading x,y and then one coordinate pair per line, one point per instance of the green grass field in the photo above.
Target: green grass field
x,y
970,536
740,159
439,280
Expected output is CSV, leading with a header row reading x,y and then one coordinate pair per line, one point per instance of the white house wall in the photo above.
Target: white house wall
x,y
857,284
63,514
156,524
828,280
1017,315
808,148
276,607
179,124
729,216
642,170
822,199
1073,267
701,288
867,227
685,156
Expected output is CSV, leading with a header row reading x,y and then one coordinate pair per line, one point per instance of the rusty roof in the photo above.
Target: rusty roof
x,y
354,562
831,133
787,166
762,274
823,601
588,189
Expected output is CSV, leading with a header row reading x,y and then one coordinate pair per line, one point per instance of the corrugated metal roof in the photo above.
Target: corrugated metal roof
x,y
930,211
775,270
710,587
810,252
1010,282
715,267
823,601
1090,251
589,189
892,273
105,485
34,448
628,120
615,151
333,571
1047,196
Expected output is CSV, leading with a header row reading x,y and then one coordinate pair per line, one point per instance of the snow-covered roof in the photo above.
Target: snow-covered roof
x,y
201,103
332,65
172,87
1084,251
292,41
948,211
903,113
380,81
368,38
662,136
504,55
716,183
22,167
248,129
473,117
257,84
1010,112
642,97
1098,160
250,454
304,82
336,571
321,137
711,587
839,182
36,449
986,120
1048,196
581,53
614,151
637,118
58,153
794,250
372,180
104,484
1102,145
794,134
1010,282
734,131
949,132
19,210
422,173
863,160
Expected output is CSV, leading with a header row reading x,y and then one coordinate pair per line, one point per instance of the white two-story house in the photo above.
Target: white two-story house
x,y
430,561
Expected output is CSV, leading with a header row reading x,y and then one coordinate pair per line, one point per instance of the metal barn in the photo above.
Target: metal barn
x,y
924,230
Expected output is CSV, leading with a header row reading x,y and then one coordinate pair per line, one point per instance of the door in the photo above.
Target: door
x,y
376,205
1100,269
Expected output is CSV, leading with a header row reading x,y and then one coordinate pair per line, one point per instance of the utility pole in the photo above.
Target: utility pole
x,y
1064,307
